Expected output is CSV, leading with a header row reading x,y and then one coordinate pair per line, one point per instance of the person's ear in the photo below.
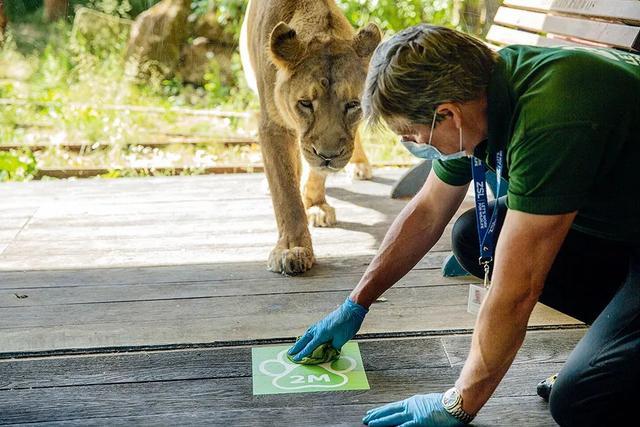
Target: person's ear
x,y
451,110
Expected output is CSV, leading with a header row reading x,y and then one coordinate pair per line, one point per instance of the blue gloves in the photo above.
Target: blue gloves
x,y
337,328
419,410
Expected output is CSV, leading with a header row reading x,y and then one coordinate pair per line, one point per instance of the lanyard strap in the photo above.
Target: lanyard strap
x,y
486,226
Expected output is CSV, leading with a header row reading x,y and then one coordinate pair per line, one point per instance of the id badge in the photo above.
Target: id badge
x,y
477,294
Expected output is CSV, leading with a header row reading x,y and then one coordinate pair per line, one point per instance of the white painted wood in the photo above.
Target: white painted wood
x,y
618,35
508,36
626,10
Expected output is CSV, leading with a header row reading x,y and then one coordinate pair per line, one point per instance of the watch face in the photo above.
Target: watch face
x,y
450,398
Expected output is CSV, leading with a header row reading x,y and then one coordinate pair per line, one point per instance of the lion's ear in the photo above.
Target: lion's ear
x,y
286,48
366,40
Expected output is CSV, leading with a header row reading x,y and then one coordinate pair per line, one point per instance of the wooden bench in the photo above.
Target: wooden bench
x,y
591,23
597,23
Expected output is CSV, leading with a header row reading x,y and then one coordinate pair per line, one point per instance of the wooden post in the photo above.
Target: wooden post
x,y
55,9
3,22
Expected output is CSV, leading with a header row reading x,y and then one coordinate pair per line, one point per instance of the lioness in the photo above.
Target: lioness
x,y
309,67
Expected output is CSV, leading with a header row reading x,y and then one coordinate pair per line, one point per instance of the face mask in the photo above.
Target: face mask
x,y
428,151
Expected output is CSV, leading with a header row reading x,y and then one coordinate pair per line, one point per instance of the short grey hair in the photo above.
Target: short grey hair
x,y
421,67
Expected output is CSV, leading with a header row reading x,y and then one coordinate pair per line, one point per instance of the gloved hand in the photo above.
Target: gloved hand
x,y
337,328
419,410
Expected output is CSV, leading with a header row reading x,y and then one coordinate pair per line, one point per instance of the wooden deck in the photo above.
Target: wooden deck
x,y
137,301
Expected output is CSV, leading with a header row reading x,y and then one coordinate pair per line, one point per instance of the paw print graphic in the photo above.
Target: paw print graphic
x,y
291,376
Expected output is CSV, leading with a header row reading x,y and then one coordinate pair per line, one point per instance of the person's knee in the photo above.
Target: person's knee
x,y
577,402
560,403
464,236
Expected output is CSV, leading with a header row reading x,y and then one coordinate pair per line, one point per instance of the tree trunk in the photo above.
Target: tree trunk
x,y
471,17
3,22
490,9
55,9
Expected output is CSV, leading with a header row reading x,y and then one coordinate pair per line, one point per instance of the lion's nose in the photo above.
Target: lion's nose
x,y
327,155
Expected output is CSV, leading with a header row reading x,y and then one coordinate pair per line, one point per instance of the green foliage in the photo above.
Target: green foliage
x,y
394,15
17,165
237,94
112,7
68,73
19,9
139,6
31,10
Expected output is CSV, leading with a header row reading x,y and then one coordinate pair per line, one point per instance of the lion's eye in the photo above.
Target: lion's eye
x,y
306,104
352,105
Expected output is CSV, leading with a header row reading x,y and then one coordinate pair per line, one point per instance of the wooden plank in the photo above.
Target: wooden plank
x,y
98,221
118,368
212,220
508,36
193,364
173,189
158,141
215,287
166,250
217,319
382,177
216,384
8,234
617,35
208,238
13,222
130,108
151,170
538,347
77,146
174,170
214,395
212,273
529,411
623,10
121,258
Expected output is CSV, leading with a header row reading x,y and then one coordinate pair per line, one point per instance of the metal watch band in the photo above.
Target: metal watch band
x,y
456,410
461,415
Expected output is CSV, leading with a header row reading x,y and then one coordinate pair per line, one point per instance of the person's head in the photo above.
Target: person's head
x,y
426,70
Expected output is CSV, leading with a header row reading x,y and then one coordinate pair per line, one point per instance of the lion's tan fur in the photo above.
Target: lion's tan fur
x,y
308,66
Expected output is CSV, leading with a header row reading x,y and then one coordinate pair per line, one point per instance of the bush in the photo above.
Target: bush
x,y
17,165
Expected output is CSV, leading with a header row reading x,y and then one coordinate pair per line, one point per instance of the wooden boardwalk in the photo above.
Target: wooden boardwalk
x,y
137,301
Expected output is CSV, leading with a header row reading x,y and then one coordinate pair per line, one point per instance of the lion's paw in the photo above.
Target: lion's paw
x,y
290,376
290,261
361,171
321,215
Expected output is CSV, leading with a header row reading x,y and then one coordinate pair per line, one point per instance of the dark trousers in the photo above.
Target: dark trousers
x,y
596,281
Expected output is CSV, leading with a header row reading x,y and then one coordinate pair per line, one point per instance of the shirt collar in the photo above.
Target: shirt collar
x,y
500,109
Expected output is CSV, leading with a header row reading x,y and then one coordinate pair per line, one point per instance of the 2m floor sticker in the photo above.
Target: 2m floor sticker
x,y
273,373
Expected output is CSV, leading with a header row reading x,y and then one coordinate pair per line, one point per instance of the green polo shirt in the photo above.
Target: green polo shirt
x,y
569,119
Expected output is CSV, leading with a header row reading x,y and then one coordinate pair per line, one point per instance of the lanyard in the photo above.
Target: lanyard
x,y
486,226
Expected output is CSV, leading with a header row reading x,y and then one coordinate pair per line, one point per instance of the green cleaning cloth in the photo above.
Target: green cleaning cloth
x,y
322,354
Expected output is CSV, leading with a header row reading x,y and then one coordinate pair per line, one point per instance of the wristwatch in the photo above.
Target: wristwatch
x,y
452,402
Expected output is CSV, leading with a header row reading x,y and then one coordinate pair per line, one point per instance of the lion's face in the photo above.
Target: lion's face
x,y
319,89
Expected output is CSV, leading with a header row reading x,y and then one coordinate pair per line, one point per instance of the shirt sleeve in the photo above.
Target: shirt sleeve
x,y
454,172
551,171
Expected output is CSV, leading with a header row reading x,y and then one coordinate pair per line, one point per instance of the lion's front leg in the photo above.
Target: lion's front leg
x,y
319,212
293,254
359,167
